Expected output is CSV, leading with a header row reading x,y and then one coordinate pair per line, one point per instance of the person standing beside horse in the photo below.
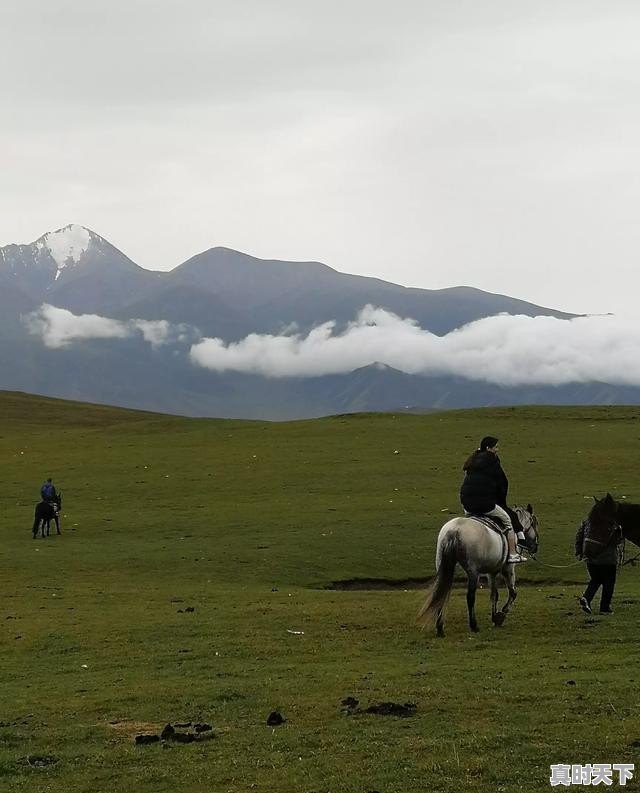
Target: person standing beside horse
x,y
598,540
484,492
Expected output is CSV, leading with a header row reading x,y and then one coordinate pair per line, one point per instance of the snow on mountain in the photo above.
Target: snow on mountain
x,y
65,245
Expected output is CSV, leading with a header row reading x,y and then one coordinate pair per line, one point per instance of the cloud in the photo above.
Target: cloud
x,y
507,350
156,332
58,327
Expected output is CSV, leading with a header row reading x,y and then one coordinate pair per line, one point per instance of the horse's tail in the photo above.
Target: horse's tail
x,y
36,520
440,586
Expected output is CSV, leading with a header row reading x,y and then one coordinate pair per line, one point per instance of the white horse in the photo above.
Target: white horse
x,y
479,550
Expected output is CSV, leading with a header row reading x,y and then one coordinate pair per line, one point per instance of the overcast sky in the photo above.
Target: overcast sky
x,y
430,143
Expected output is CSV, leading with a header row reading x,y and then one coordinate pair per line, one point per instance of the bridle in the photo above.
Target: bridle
x,y
529,523
616,530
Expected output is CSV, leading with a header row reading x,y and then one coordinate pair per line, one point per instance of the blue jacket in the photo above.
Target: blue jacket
x,y
47,492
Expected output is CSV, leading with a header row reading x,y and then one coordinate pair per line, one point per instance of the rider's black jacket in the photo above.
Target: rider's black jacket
x,y
485,483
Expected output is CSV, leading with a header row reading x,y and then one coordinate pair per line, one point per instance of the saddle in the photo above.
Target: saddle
x,y
490,523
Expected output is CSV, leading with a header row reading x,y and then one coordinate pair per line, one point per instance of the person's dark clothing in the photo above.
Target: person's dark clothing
x,y
609,554
602,575
485,483
602,568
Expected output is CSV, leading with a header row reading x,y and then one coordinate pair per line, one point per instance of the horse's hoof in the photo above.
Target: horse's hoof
x,y
474,628
498,619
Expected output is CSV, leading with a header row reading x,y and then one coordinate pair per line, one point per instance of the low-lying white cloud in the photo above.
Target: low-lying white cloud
x,y
157,332
58,327
507,350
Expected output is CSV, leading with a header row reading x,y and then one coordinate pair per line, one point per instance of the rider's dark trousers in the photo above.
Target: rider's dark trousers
x,y
602,575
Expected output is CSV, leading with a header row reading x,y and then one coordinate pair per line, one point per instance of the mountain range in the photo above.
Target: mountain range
x,y
228,295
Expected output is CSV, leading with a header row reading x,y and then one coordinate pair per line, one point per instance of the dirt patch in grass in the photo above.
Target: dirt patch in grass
x,y
130,728
37,761
379,583
355,584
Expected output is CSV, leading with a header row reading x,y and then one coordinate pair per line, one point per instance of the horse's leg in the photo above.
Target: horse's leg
x,y
497,617
471,599
57,520
494,596
509,575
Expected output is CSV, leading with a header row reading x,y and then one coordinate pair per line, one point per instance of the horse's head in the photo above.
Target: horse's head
x,y
529,522
602,525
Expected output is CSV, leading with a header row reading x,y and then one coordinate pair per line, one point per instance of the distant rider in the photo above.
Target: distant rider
x,y
48,492
484,492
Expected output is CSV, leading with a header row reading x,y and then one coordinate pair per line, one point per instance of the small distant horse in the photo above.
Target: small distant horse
x,y
47,511
479,550
604,522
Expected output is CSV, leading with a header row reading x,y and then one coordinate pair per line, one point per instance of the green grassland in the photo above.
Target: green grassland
x,y
249,524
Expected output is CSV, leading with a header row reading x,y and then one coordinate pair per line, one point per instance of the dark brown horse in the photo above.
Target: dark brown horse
x,y
45,512
600,529
604,523
629,520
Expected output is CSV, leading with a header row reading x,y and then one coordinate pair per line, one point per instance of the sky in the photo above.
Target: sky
x,y
431,143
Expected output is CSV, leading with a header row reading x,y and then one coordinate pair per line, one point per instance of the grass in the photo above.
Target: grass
x,y
247,523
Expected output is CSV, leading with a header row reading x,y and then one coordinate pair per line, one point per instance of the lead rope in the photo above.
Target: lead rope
x,y
556,566
621,561
631,561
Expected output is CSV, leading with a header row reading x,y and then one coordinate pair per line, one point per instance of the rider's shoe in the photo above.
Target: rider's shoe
x,y
515,558
584,605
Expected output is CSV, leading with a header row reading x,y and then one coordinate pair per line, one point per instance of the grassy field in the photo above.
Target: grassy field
x,y
192,584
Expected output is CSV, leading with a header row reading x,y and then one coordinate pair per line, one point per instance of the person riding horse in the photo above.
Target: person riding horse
x,y
48,492
484,492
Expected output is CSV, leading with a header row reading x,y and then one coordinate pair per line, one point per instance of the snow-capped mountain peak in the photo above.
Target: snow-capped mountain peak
x,y
66,245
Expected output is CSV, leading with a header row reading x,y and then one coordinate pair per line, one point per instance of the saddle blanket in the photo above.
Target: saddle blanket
x,y
490,523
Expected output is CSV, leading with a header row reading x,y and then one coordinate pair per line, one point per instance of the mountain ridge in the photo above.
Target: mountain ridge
x,y
229,295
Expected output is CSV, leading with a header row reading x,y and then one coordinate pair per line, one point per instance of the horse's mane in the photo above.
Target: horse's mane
x,y
603,513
